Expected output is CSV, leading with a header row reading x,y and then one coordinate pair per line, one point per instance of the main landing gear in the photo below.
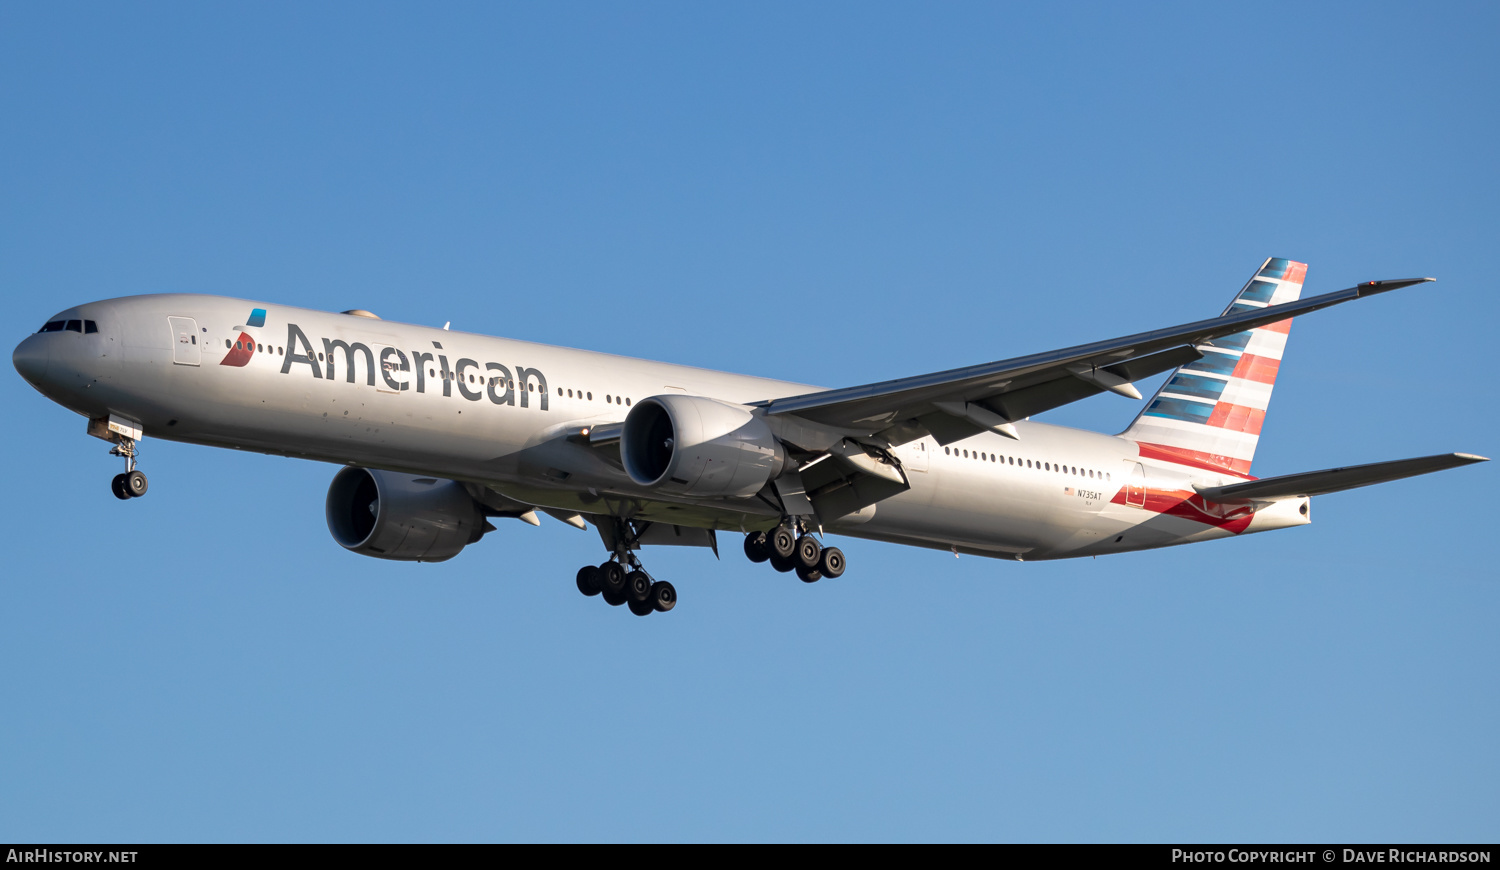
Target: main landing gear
x,y
622,580
132,483
788,551
629,585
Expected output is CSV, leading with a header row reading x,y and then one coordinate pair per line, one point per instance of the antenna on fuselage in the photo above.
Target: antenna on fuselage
x,y
446,325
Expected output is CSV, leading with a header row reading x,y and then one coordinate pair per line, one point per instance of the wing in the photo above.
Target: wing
x,y
958,403
1335,479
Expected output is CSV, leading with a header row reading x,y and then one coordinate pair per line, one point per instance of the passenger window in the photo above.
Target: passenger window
x,y
227,345
607,400
627,401
591,397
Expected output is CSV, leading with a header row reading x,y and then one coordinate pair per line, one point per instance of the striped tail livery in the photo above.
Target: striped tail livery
x,y
1209,413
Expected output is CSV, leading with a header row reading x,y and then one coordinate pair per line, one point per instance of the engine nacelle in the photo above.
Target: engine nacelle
x,y
689,445
398,516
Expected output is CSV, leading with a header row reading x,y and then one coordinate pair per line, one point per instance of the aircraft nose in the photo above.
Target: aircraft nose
x,y
31,359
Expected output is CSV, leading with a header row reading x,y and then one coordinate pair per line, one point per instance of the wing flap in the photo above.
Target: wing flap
x,y
1335,479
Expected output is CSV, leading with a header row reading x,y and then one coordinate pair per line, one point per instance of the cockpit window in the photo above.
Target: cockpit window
x,y
90,327
75,326
53,326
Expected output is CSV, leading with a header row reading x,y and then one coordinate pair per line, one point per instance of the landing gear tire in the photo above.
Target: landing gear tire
x,y
637,587
782,564
135,483
613,599
808,575
831,564
663,596
783,543
117,486
757,549
588,580
808,551
641,608
612,580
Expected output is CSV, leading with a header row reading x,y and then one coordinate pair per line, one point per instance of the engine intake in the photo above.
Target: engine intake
x,y
401,517
689,445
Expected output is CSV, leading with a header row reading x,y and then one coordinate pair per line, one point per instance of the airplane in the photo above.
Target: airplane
x,y
440,432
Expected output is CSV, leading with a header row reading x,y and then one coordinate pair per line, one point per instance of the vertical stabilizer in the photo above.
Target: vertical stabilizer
x,y
1209,413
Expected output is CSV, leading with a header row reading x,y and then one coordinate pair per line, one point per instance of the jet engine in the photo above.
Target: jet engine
x,y
402,517
689,445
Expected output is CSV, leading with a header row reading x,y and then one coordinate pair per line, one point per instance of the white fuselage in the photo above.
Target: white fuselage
x,y
496,412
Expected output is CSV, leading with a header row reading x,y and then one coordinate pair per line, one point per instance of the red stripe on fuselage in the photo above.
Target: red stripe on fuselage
x,y
1195,459
1191,506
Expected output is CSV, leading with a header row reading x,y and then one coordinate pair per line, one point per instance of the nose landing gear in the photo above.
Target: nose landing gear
x,y
132,483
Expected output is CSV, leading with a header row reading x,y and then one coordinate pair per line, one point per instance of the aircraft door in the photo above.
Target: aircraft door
x,y
913,456
186,351
1135,488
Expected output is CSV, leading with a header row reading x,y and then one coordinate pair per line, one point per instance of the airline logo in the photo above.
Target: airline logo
x,y
395,367
240,354
244,346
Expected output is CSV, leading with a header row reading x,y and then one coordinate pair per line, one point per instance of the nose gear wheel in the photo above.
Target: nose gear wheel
x,y
132,483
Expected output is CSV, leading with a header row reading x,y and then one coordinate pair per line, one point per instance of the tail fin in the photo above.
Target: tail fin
x,y
1209,412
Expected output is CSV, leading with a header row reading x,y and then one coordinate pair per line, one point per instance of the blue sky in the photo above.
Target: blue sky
x,y
833,194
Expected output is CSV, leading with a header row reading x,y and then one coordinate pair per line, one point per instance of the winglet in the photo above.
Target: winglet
x,y
1370,288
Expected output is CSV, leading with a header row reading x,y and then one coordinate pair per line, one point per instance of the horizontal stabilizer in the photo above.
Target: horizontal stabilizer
x,y
1335,479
